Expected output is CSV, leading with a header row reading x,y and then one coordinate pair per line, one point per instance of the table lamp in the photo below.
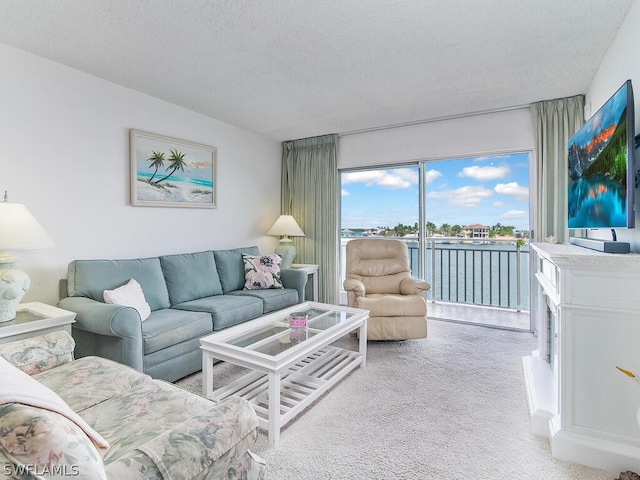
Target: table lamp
x,y
287,227
19,230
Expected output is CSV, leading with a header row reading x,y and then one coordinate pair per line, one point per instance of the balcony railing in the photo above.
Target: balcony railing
x,y
485,272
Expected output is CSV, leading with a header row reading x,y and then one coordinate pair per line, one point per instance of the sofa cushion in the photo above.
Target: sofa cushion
x,y
90,278
226,310
261,271
272,298
106,377
129,295
168,327
190,276
46,445
231,267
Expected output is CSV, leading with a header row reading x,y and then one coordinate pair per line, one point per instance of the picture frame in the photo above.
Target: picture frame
x,y
169,172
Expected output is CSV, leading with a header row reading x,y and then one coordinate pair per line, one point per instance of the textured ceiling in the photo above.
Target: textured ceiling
x,y
291,69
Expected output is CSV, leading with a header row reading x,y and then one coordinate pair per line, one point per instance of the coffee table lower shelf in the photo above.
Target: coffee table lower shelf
x,y
300,385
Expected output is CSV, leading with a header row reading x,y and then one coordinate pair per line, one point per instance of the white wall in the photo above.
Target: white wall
x,y
65,154
620,64
490,133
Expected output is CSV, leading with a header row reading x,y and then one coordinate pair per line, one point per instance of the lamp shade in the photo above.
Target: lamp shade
x,y
286,225
19,230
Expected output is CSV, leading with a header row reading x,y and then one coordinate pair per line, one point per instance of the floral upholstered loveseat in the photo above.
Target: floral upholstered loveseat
x,y
154,429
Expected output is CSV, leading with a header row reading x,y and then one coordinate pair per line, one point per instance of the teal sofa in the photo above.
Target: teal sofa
x,y
191,295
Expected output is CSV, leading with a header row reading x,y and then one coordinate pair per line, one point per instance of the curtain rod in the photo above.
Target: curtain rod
x,y
433,120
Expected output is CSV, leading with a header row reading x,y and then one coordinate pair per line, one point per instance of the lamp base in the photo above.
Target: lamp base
x,y
14,283
287,251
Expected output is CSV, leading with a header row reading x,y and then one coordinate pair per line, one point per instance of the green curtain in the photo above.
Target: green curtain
x,y
310,194
554,122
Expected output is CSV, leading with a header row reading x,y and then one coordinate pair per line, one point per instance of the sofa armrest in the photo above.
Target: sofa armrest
x,y
104,318
37,354
413,286
296,279
205,446
121,323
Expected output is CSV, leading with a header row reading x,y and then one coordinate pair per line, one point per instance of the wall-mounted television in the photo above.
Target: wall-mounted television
x,y
601,167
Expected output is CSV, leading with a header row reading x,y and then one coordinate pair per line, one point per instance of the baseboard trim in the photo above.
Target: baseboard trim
x,y
604,454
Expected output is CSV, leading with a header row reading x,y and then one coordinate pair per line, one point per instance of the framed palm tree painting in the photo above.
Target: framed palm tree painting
x,y
168,172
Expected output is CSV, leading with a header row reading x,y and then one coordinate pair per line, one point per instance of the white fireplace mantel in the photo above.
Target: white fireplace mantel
x,y
589,323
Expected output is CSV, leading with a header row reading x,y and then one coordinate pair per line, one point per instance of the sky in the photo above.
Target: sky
x,y
480,190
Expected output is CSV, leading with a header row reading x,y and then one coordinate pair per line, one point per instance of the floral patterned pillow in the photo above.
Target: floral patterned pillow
x,y
262,271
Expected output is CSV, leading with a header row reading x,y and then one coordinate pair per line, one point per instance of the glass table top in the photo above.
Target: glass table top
x,y
22,317
277,336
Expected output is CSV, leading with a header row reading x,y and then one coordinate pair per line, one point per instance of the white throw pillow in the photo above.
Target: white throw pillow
x,y
129,295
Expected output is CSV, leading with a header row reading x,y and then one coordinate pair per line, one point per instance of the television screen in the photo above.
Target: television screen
x,y
600,158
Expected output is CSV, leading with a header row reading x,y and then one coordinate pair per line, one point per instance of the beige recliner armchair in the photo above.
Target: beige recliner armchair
x,y
378,279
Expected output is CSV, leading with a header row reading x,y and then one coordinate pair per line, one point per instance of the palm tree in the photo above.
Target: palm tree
x,y
157,160
177,163
455,230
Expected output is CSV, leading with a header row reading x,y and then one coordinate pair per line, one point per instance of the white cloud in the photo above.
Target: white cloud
x,y
482,174
512,189
497,204
410,174
463,197
431,175
366,177
515,214
344,193
394,179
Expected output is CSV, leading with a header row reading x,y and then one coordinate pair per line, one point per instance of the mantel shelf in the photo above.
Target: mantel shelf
x,y
570,256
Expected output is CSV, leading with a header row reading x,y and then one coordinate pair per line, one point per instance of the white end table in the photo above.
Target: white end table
x,y
35,318
312,271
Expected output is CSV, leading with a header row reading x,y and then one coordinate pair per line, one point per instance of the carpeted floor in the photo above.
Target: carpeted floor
x,y
452,406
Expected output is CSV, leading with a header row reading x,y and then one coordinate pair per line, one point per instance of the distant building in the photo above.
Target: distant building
x,y
476,231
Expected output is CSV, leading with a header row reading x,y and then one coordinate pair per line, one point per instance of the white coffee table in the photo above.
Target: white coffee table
x,y
290,367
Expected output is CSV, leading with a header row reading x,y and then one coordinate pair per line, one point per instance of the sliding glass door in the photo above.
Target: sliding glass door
x,y
465,221
477,224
